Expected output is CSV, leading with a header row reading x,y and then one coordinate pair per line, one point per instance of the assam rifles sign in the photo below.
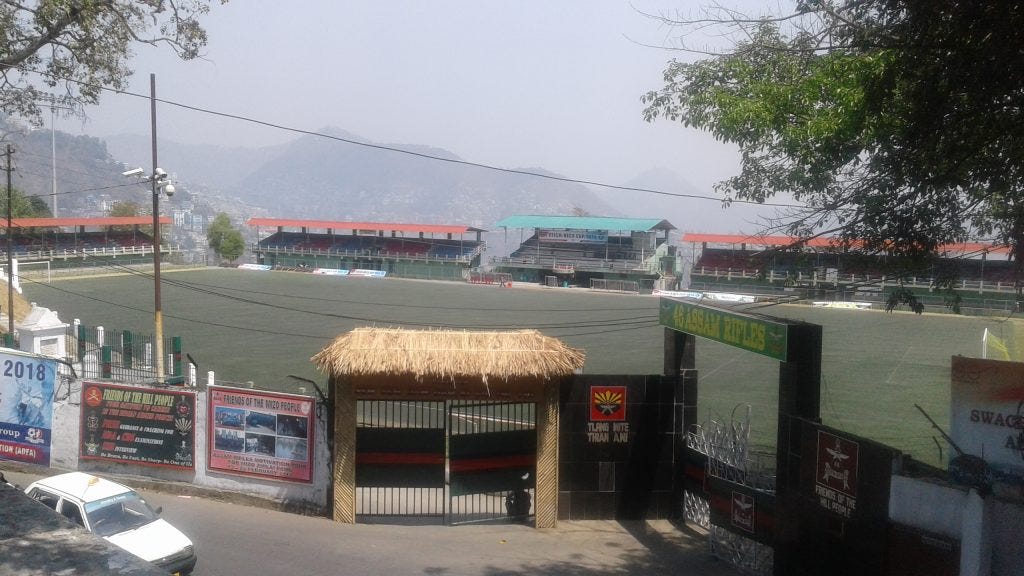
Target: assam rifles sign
x,y
739,330
146,426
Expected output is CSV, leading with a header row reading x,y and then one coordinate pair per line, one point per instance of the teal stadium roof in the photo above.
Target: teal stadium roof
x,y
585,223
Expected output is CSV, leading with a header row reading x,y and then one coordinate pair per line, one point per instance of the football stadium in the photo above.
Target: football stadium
x,y
879,391
263,327
588,281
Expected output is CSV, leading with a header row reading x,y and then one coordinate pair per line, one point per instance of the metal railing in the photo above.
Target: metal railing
x,y
68,253
368,253
866,281
121,355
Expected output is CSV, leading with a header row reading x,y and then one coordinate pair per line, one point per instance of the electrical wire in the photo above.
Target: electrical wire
x,y
394,149
628,321
176,282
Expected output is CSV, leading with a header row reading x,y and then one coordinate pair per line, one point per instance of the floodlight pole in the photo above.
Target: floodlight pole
x,y
158,320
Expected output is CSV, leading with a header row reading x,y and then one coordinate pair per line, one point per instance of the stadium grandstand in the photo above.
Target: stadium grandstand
x,y
64,243
627,254
821,268
432,251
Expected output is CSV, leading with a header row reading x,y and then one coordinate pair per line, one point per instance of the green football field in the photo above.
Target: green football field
x,y
264,326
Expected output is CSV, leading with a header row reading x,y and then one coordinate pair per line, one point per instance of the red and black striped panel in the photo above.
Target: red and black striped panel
x,y
400,457
695,465
492,462
742,509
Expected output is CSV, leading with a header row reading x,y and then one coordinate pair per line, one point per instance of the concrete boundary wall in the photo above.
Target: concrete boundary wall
x,y
988,529
307,496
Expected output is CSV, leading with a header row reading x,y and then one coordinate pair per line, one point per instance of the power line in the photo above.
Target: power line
x,y
391,304
625,321
423,155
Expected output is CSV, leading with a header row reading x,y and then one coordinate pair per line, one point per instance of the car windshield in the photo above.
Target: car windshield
x,y
119,513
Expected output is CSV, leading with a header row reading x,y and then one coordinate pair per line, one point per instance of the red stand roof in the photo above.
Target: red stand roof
x,y
378,226
98,221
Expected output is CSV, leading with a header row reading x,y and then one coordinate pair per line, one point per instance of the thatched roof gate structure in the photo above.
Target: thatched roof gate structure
x,y
393,363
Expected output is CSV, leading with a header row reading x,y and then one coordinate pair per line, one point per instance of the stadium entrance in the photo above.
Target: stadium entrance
x,y
758,528
452,461
441,423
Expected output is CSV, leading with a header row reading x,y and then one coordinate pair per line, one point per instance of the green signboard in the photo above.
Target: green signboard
x,y
739,330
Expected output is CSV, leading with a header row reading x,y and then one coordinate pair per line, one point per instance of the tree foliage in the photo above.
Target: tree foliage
x,y
78,48
896,125
123,209
25,206
126,209
224,239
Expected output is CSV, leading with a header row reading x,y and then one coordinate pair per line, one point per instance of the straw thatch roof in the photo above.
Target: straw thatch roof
x,y
448,354
22,307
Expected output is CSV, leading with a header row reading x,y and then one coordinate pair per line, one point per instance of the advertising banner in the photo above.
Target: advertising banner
x,y
987,419
574,236
261,434
146,426
26,407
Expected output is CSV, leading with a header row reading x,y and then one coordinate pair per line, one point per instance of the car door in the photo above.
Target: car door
x,y
72,511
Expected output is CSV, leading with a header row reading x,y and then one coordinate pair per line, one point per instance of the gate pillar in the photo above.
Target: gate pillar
x,y
546,497
344,473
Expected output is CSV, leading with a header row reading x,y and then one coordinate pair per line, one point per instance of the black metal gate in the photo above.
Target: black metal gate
x,y
453,462
400,458
492,461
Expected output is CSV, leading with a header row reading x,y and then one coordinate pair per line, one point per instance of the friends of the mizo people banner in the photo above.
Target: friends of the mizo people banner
x,y
26,406
146,426
261,434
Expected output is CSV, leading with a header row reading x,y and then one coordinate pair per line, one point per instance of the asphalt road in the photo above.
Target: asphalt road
x,y
236,540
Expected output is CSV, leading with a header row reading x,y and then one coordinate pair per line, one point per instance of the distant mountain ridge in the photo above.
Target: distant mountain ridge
x,y
324,178
347,177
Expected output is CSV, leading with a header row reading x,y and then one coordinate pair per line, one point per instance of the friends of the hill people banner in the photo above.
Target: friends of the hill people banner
x,y
144,426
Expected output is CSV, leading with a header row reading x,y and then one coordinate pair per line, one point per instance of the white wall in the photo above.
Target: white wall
x,y
989,530
65,448
1007,543
936,508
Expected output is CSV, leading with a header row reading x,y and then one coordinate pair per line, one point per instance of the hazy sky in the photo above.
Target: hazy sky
x,y
513,83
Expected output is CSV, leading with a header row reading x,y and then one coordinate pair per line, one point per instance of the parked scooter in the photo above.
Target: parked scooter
x,y
518,501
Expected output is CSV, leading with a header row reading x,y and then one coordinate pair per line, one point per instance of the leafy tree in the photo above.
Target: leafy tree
x,y
895,125
125,209
23,206
225,240
232,246
82,47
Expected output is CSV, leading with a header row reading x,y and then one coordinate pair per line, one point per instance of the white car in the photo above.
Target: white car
x,y
118,514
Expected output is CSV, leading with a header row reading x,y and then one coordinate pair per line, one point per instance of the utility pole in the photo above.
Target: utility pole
x,y
10,251
158,318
